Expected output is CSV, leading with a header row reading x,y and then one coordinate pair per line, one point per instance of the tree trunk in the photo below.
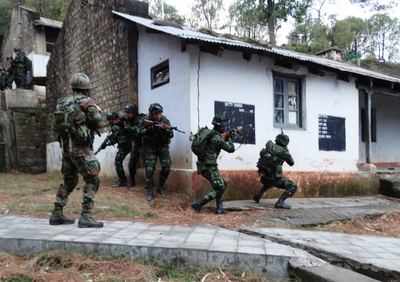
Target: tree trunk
x,y
271,21
271,32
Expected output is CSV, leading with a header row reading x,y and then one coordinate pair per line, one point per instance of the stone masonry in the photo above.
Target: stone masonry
x,y
95,42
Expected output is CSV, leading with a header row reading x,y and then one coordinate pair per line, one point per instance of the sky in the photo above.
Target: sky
x,y
340,8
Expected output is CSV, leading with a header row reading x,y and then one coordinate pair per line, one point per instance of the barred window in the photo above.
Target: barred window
x,y
287,102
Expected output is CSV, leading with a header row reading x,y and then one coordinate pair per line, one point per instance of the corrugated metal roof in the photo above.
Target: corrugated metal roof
x,y
48,23
186,33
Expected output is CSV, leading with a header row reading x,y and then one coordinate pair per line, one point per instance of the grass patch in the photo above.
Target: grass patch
x,y
17,278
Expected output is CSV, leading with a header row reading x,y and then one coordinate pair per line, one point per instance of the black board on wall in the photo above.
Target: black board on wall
x,y
332,133
238,115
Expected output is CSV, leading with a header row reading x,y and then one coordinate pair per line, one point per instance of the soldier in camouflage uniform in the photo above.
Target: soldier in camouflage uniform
x,y
272,157
3,79
77,147
156,136
21,70
121,136
133,122
207,165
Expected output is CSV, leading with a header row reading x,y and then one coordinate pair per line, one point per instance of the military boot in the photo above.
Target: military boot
x,y
280,204
57,217
197,206
220,206
257,197
87,221
132,182
120,183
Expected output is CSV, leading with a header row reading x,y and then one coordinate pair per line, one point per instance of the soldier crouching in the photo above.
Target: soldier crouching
x,y
272,157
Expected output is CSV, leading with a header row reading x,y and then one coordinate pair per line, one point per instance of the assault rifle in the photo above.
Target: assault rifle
x,y
233,132
148,123
104,145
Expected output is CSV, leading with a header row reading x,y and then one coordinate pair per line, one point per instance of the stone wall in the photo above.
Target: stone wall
x,y
30,126
95,42
21,33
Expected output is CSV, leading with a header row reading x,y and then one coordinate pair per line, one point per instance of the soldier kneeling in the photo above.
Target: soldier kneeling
x,y
272,157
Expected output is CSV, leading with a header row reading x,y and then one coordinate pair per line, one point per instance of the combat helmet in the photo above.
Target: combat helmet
x,y
131,109
156,108
282,139
80,81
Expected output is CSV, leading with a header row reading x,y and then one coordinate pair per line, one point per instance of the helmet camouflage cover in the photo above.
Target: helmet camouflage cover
x,y
156,108
282,139
80,81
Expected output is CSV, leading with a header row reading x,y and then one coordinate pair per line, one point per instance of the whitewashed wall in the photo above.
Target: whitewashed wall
x,y
174,96
386,149
105,157
230,78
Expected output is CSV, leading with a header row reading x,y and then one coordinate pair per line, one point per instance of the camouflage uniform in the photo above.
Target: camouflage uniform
x,y
155,145
121,137
3,79
133,130
272,157
21,70
207,166
78,157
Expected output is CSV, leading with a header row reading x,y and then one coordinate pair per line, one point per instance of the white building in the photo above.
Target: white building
x,y
319,103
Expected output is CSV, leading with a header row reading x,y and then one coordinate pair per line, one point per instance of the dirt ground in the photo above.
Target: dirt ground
x,y
382,225
63,267
33,195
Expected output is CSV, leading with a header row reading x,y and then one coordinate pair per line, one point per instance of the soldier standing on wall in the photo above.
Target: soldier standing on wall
x,y
207,145
21,70
272,157
133,122
77,120
3,79
157,134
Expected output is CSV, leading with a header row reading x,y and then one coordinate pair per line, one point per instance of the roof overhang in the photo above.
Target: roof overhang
x,y
191,36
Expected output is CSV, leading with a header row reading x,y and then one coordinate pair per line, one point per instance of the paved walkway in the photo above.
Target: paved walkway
x,y
314,211
197,245
378,257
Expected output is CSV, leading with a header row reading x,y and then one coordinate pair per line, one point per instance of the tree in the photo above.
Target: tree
x,y
384,37
246,18
168,12
350,35
206,13
310,37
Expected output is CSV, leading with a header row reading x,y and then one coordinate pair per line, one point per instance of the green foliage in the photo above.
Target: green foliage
x,y
17,278
348,33
254,16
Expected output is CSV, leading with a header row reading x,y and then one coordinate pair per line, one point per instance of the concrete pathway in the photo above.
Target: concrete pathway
x,y
377,257
314,211
196,245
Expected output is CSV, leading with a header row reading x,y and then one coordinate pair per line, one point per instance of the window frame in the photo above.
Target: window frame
x,y
157,68
300,91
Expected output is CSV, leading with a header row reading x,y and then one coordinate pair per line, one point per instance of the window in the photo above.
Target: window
x,y
287,102
160,74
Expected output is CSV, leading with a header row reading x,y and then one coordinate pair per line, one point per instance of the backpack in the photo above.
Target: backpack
x,y
65,109
267,158
200,141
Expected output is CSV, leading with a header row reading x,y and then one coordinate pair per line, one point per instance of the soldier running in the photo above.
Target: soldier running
x,y
77,119
207,145
272,157
157,134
